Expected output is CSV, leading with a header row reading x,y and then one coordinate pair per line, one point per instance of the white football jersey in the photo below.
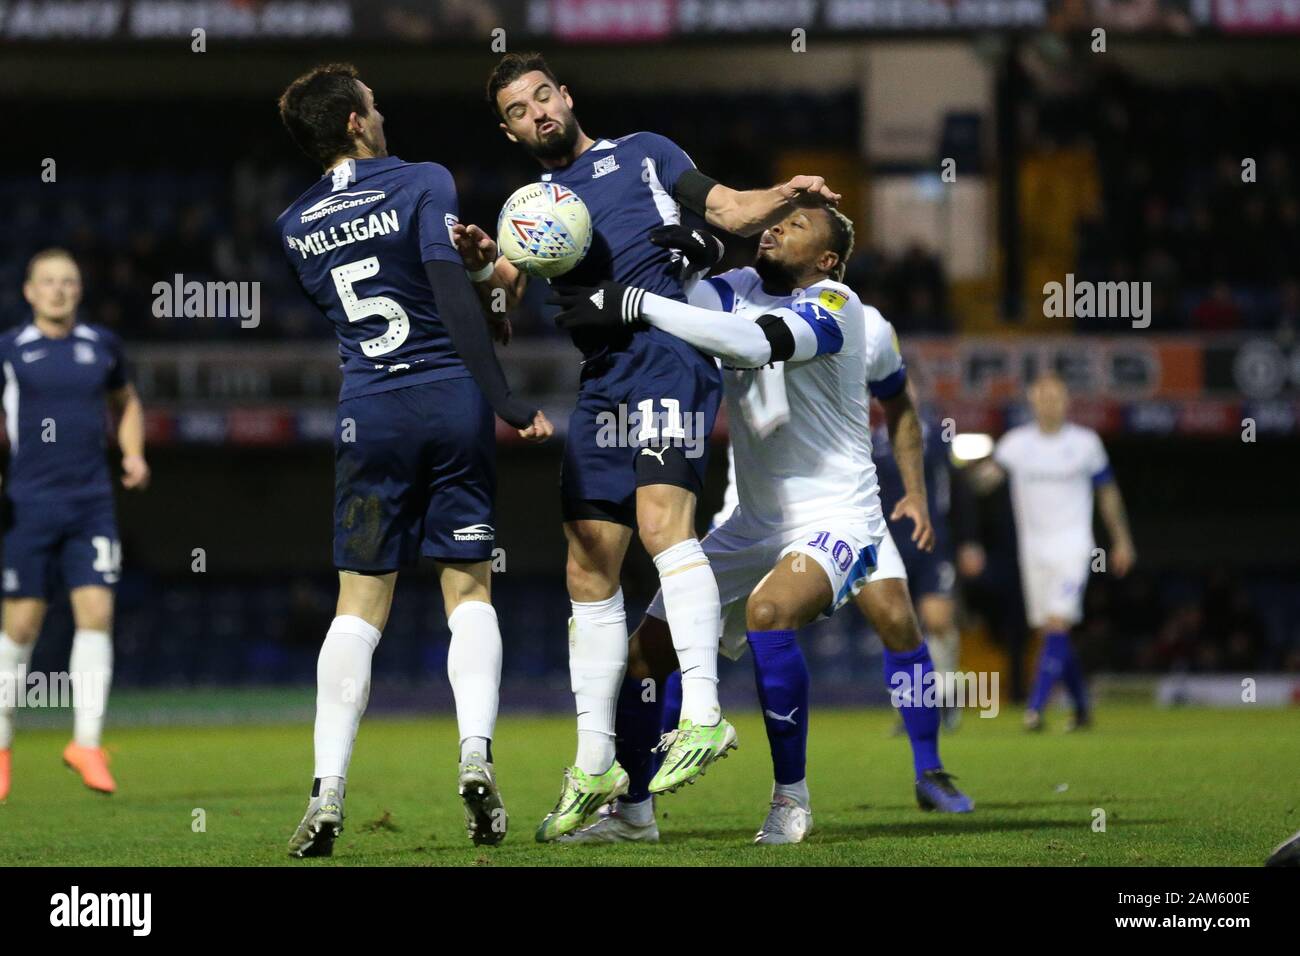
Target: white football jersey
x,y
800,431
1052,479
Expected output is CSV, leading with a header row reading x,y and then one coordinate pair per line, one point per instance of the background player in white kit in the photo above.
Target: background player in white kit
x,y
806,483
1054,467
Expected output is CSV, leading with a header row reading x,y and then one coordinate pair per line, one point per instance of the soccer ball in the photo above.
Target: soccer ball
x,y
544,229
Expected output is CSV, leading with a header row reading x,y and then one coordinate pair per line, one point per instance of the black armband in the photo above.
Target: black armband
x,y
692,190
779,336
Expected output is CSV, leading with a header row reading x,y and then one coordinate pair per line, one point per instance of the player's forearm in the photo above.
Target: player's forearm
x,y
733,339
746,212
463,319
1111,505
510,282
904,425
130,429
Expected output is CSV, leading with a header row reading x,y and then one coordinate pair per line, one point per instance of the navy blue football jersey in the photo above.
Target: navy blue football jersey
x,y
358,240
55,410
627,185
937,479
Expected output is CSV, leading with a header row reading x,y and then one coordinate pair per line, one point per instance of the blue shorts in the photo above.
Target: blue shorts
x,y
414,474
59,541
613,445
928,572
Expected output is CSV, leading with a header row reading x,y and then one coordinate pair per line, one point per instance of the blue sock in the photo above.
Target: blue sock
x,y
671,697
920,722
1052,664
782,677
1072,675
636,725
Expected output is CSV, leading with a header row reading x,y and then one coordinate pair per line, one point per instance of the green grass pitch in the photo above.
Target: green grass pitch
x,y
1178,787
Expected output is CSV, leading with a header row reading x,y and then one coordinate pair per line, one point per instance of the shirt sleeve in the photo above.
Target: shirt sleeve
x,y
1098,461
119,373
887,375
436,211
669,159
822,312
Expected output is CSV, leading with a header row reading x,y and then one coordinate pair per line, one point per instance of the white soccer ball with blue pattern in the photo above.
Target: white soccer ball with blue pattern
x,y
544,229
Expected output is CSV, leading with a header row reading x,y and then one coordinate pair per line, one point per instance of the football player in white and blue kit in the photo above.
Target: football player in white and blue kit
x,y
649,481
415,467
1056,469
796,350
61,377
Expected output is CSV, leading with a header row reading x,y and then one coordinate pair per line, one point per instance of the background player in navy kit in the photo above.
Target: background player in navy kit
x,y
415,468
632,186
61,376
931,574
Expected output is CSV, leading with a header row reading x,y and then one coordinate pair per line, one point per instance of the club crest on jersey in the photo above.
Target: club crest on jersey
x,y
832,300
603,166
83,354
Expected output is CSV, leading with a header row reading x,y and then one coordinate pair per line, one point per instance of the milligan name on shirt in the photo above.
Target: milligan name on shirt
x,y
346,233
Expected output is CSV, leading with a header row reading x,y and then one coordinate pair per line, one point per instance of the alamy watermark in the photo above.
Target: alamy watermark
x,y
920,688
180,299
1098,300
86,691
652,428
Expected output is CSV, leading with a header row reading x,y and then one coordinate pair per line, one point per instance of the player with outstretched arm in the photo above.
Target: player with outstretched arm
x,y
415,459
651,480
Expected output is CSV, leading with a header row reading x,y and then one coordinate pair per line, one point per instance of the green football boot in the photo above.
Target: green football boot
x,y
691,748
582,795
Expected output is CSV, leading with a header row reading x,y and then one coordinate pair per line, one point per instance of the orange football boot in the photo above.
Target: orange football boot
x,y
92,764
4,774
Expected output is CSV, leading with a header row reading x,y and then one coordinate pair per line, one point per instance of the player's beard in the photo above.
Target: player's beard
x,y
776,275
558,146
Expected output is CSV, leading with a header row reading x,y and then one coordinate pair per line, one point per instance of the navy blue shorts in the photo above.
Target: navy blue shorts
x,y
928,572
644,415
414,474
56,541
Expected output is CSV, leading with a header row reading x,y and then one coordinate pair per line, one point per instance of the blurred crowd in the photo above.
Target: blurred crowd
x,y
1195,189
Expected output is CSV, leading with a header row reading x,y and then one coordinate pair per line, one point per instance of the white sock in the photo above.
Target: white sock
x,y
945,656
14,658
798,792
342,690
474,669
694,614
91,665
597,660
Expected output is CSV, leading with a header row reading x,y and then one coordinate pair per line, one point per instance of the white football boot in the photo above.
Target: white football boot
x,y
787,822
614,825
320,826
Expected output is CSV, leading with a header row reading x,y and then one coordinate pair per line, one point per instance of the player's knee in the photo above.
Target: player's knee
x,y
22,632
762,613
897,627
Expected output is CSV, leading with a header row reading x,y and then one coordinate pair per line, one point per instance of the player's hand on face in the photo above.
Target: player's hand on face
x,y
540,430
919,513
135,472
809,191
1122,558
970,560
475,246
607,305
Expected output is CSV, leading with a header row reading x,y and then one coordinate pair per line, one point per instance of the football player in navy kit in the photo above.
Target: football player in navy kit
x,y
633,187
61,376
415,470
